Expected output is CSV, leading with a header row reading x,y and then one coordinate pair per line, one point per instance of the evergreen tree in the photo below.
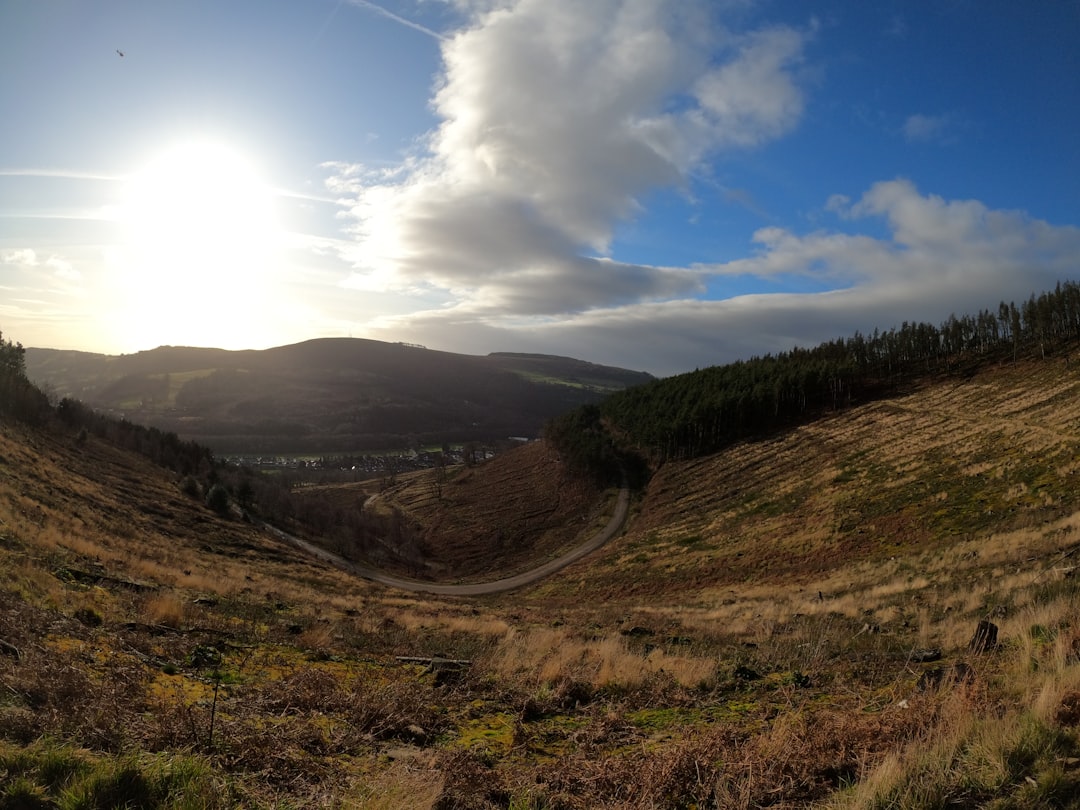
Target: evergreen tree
x,y
705,410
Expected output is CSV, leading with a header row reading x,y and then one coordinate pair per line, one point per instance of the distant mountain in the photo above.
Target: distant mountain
x,y
328,395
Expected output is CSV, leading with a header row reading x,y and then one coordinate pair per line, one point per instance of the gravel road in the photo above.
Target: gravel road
x,y
618,518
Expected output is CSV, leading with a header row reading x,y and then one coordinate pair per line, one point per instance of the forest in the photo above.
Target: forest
x,y
703,411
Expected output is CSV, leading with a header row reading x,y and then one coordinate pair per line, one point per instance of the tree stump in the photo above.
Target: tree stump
x,y
985,638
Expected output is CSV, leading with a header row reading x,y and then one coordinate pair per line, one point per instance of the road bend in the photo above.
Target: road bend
x,y
613,527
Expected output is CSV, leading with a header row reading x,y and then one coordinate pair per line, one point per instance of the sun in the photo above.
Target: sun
x,y
201,241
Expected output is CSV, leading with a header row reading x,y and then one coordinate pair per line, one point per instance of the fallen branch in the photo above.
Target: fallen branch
x,y
7,648
91,578
435,662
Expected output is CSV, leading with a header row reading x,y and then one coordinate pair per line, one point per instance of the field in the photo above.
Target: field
x,y
785,624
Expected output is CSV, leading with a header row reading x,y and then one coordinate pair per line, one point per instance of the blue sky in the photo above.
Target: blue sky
x,y
655,184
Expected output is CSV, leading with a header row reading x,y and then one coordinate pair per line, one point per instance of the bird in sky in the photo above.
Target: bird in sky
x,y
119,51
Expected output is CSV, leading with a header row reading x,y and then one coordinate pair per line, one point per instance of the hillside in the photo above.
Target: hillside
x,y
328,396
485,522
954,467
951,462
785,623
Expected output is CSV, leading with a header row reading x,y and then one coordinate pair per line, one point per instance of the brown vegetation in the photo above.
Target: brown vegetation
x,y
755,638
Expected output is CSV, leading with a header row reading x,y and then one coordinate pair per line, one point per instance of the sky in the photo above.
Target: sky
x,y
660,185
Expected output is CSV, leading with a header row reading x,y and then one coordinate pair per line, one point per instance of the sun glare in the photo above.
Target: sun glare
x,y
201,241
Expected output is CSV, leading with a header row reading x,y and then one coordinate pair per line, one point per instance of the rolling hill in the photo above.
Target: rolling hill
x,y
328,396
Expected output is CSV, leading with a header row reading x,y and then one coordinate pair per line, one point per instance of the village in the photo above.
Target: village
x,y
346,467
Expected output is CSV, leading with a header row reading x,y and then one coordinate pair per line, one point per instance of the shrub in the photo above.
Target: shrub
x,y
218,499
190,487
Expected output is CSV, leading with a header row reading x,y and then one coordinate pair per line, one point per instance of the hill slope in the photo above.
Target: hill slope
x,y
763,634
331,395
952,461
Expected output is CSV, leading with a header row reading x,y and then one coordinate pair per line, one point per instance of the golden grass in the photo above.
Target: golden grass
x,y
319,636
448,619
410,782
545,656
165,609
998,732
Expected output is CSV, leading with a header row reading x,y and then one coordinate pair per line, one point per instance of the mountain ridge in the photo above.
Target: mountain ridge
x,y
328,395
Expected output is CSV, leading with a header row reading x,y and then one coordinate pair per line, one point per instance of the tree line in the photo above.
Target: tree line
x,y
703,411
20,399
164,448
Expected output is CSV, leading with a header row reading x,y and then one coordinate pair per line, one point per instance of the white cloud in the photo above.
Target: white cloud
x,y
940,257
935,245
932,128
754,98
63,269
25,257
558,117
28,261
838,204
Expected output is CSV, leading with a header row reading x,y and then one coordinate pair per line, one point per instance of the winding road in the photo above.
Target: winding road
x,y
618,519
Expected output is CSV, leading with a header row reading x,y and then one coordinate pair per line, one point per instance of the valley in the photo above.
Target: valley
x,y
756,634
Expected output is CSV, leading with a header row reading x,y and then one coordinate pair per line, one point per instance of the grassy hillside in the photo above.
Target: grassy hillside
x,y
328,396
755,638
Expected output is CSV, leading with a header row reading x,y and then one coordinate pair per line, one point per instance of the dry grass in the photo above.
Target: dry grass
x,y
165,609
447,618
412,782
747,643
542,657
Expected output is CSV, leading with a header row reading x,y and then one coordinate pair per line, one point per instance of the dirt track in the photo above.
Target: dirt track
x,y
618,518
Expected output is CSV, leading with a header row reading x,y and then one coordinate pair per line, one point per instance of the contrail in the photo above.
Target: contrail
x,y
62,173
65,214
396,18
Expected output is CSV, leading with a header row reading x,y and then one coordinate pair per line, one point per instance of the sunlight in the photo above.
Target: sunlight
x,y
200,248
